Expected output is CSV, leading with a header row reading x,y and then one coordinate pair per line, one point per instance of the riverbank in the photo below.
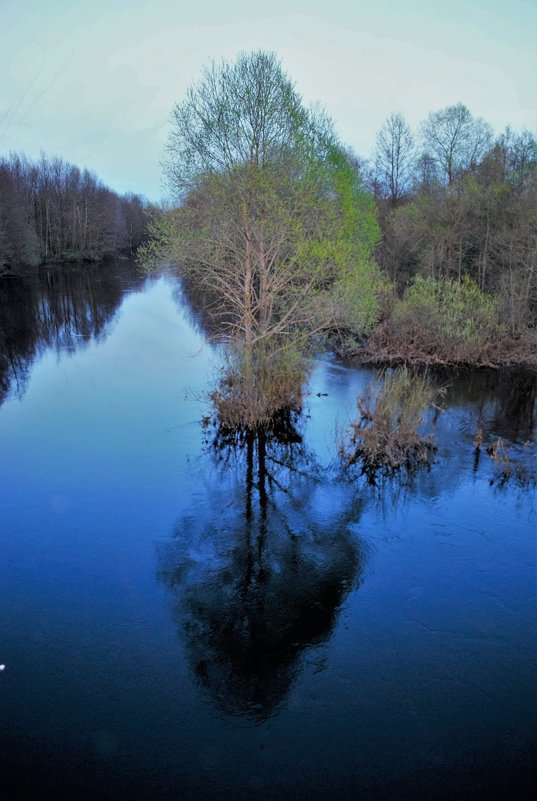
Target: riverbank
x,y
383,348
25,270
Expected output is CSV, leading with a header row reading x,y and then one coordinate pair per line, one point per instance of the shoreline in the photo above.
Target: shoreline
x,y
505,355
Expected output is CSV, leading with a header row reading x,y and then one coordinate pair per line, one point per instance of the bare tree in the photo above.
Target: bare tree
x,y
456,139
394,159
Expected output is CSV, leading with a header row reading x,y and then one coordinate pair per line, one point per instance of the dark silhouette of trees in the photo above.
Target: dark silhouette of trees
x,y
61,310
273,576
52,211
18,236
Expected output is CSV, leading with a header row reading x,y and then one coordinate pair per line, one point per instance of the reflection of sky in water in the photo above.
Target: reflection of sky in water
x,y
124,549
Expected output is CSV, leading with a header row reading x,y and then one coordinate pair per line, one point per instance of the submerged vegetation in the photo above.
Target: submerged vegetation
x,y
387,435
276,387
510,463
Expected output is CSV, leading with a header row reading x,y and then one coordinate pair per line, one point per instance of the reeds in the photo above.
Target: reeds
x,y
387,436
248,400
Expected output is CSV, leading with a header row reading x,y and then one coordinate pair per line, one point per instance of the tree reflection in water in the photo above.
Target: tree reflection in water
x,y
259,571
60,309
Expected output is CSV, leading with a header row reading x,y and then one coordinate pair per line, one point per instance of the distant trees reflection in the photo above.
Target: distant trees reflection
x,y
258,571
56,309
502,402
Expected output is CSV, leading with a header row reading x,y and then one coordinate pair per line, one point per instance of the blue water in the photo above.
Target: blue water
x,y
181,621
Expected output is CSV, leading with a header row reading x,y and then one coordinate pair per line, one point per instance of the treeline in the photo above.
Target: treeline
x,y
51,210
458,212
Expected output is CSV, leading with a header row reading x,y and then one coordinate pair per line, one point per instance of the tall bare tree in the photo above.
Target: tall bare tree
x,y
456,139
394,159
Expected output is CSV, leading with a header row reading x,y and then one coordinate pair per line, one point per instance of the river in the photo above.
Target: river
x,y
181,620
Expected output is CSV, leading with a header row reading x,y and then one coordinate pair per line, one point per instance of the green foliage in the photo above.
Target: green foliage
x,y
357,300
359,223
274,228
161,244
446,311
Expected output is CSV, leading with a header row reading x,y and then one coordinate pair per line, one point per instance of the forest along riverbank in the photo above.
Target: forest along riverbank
x,y
425,254
51,211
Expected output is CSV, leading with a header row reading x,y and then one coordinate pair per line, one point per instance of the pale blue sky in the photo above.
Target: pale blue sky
x,y
94,81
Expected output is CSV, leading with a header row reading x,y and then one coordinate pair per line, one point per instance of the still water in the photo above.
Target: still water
x,y
184,621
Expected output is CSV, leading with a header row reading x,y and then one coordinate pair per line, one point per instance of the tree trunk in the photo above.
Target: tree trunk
x,y
249,376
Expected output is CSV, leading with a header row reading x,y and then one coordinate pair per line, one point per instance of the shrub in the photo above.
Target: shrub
x,y
445,312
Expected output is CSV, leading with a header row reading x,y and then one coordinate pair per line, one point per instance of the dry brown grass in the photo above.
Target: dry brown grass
x,y
251,401
391,344
386,436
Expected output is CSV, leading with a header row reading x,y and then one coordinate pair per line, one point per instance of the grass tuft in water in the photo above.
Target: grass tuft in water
x,y
386,436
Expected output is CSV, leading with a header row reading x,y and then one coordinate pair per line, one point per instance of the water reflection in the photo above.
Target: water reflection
x,y
261,564
258,572
502,402
62,309
430,663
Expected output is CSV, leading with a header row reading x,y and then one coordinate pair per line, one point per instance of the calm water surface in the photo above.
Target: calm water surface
x,y
181,621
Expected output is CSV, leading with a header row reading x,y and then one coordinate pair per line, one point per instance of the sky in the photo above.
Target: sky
x,y
94,81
